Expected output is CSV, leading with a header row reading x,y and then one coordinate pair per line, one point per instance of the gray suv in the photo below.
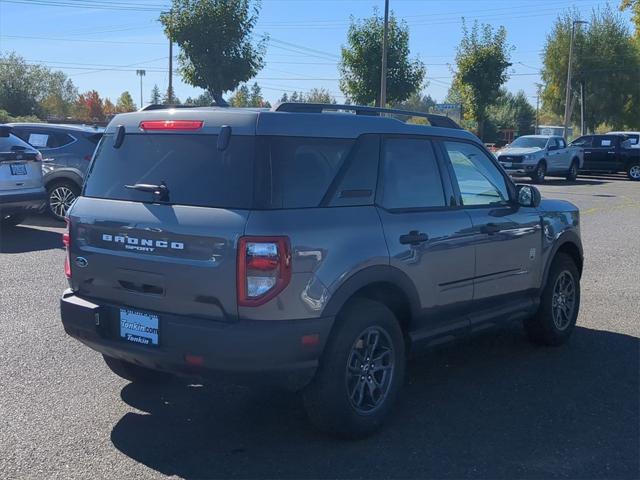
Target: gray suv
x,y
308,247
67,152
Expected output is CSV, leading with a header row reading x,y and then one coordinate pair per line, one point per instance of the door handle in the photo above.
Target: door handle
x,y
490,229
413,238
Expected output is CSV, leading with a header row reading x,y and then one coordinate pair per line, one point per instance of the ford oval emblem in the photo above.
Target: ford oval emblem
x,y
82,262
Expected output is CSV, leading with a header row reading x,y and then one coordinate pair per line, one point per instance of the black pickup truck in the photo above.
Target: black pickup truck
x,y
609,153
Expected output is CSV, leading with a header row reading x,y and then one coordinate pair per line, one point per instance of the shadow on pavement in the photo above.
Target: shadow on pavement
x,y
23,239
493,407
565,183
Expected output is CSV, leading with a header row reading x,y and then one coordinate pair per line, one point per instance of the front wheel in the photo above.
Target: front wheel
x,y
61,195
572,174
360,374
539,173
633,172
556,317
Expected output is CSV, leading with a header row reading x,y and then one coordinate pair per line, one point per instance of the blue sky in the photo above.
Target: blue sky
x,y
100,48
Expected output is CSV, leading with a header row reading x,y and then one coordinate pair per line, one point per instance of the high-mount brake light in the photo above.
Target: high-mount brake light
x,y
66,241
264,269
174,125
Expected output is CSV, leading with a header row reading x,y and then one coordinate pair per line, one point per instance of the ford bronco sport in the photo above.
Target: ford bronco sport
x,y
309,247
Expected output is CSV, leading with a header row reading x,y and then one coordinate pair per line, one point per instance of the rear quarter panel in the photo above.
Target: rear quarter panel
x,y
328,246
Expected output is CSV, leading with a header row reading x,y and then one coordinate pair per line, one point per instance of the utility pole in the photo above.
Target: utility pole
x,y
582,132
539,85
383,74
170,92
141,73
567,101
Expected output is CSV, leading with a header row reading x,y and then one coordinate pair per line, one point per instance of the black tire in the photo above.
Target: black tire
x,y
135,373
540,172
13,219
556,317
633,172
60,195
572,174
327,398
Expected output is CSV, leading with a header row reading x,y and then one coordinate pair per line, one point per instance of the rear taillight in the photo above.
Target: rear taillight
x,y
264,269
66,241
179,125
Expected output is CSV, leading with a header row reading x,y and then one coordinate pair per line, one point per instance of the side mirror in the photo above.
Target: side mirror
x,y
528,196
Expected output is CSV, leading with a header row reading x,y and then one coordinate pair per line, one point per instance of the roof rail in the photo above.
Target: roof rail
x,y
158,106
295,107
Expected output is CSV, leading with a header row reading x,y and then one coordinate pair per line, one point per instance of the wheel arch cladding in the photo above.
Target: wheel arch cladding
x,y
569,246
384,284
58,176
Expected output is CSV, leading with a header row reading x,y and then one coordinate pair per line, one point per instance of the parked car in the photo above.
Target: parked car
x,y
67,152
634,138
306,248
610,154
21,190
537,156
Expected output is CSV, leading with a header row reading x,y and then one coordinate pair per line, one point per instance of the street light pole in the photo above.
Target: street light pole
x,y
567,100
141,73
385,39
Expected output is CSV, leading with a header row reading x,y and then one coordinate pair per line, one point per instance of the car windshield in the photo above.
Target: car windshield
x,y
529,142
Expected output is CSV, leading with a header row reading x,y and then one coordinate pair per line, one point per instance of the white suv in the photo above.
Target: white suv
x,y
21,187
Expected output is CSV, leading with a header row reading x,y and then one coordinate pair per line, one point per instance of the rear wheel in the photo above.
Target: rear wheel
x,y
12,220
61,195
556,317
360,374
540,172
135,373
572,174
633,172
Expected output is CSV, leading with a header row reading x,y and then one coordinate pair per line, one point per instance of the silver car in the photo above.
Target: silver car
x,y
21,190
67,152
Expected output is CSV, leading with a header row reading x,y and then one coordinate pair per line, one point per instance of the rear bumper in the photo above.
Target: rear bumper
x,y
31,199
245,351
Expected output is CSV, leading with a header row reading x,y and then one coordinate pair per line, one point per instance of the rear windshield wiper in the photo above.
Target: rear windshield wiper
x,y
162,191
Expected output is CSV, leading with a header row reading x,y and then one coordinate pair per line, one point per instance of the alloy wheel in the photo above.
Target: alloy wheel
x,y
370,368
60,200
563,301
634,172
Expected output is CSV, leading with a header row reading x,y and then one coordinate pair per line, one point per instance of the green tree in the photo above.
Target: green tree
x,y
510,112
241,97
170,98
634,6
125,103
155,95
255,98
215,38
203,100
284,98
34,90
605,62
319,95
482,61
360,67
417,102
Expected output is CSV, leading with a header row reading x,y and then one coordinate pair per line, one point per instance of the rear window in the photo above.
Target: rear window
x,y
300,170
191,166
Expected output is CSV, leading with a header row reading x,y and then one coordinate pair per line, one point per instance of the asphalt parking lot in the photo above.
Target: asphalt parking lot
x,y
491,407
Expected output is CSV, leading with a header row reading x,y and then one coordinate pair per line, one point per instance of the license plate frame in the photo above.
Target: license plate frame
x,y
18,169
139,327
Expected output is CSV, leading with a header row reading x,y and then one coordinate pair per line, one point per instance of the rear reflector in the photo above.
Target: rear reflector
x,y
176,125
195,360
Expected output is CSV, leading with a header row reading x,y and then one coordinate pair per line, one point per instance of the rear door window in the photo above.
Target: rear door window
x,y
410,175
190,166
300,170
